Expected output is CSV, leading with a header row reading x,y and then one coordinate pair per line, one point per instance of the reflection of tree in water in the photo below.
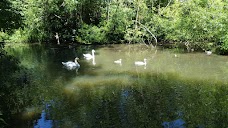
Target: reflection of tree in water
x,y
123,103
14,79
167,99
44,121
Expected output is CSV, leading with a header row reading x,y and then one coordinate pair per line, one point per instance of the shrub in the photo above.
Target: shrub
x,y
89,34
3,36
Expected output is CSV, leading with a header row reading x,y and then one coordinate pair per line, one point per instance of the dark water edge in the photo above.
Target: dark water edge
x,y
161,98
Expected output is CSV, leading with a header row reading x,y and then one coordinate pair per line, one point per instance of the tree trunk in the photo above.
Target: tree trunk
x,y
137,15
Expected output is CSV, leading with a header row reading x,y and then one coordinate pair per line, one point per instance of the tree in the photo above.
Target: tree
x,y
10,17
196,24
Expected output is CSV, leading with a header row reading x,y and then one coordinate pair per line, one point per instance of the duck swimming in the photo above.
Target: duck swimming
x,y
72,65
89,56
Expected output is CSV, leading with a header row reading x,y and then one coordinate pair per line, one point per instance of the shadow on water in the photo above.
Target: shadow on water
x,y
127,102
168,93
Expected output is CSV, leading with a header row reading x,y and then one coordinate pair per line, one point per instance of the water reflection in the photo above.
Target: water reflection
x,y
106,94
45,118
123,104
43,122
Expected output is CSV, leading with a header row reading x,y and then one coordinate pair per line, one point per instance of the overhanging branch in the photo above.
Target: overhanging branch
x,y
146,28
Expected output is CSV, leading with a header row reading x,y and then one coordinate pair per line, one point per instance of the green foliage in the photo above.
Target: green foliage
x,y
42,19
135,35
3,36
19,36
10,17
119,19
90,11
223,48
33,22
91,34
197,22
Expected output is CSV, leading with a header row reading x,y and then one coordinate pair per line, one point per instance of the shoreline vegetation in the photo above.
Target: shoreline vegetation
x,y
193,25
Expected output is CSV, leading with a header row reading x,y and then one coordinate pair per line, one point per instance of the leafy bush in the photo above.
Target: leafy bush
x,y
223,48
19,36
89,34
197,22
3,36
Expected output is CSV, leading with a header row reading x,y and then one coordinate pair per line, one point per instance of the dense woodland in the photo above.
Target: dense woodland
x,y
188,24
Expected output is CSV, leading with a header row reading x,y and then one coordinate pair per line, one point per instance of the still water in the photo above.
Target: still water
x,y
171,90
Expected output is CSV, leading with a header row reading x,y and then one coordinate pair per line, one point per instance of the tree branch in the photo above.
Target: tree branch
x,y
149,32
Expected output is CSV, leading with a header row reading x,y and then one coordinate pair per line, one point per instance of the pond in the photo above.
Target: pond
x,y
171,90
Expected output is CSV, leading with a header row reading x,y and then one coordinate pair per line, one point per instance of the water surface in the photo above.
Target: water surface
x,y
188,86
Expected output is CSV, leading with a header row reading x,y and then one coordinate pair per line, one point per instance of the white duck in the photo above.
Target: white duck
x,y
89,56
71,64
140,63
118,61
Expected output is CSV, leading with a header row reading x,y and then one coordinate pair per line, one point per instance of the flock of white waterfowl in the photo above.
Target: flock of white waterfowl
x,y
73,65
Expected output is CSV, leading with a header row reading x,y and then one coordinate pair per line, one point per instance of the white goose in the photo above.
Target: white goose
x,y
71,64
89,56
140,63
118,61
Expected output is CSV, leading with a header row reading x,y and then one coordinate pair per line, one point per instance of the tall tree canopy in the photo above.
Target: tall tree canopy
x,y
10,16
198,24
